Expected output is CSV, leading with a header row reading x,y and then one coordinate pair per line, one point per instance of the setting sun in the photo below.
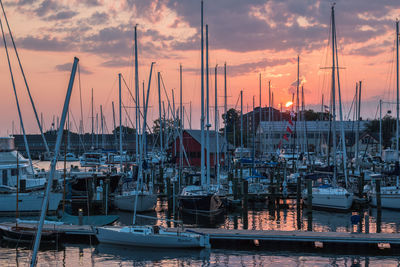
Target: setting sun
x,y
288,104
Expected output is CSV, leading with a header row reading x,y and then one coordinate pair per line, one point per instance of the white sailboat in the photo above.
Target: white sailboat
x,y
147,236
390,195
150,236
330,195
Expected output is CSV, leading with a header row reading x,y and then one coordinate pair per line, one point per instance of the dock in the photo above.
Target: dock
x,y
299,239
231,238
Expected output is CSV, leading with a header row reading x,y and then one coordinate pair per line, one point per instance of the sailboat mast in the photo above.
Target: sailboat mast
x,y
102,126
397,94
180,126
160,118
92,120
333,96
120,121
397,87
53,165
259,121
137,115
202,163
241,119
208,111
216,124
225,111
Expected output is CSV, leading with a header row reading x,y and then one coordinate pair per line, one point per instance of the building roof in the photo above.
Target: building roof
x,y
196,134
311,126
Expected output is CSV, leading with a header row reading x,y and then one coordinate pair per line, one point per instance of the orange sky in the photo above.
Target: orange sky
x,y
251,37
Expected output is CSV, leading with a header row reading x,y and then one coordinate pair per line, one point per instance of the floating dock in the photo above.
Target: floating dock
x,y
259,238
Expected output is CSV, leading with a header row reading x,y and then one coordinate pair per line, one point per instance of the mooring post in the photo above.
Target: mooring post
x,y
378,205
245,192
80,219
169,194
298,192
309,205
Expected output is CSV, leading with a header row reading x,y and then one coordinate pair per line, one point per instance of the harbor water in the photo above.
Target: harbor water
x,y
269,215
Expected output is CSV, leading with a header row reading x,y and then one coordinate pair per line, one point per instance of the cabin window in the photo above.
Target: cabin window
x,y
5,180
14,172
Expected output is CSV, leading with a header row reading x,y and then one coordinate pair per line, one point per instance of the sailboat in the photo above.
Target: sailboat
x,y
146,236
390,195
328,194
201,199
135,199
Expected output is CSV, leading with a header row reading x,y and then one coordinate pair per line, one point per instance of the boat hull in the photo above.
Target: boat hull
x,y
388,201
146,202
172,240
28,202
210,204
334,202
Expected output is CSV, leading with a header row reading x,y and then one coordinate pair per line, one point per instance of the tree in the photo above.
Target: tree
x,y
125,130
168,128
388,129
232,121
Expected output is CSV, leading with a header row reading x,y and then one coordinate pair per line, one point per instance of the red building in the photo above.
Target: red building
x,y
192,147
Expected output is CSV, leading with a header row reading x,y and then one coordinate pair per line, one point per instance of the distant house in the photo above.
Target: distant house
x,y
368,142
192,146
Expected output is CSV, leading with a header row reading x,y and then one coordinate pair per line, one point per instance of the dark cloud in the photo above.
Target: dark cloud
x,y
258,25
90,3
98,18
45,43
68,67
46,7
62,15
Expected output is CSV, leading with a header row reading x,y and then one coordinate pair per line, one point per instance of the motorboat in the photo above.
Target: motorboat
x,y
14,167
27,202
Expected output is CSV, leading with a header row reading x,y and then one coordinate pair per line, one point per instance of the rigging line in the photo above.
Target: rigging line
x,y
79,135
16,99
140,112
26,82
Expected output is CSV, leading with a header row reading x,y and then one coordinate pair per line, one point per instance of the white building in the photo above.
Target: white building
x,y
311,134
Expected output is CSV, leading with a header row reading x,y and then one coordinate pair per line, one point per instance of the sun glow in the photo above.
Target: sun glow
x,y
288,104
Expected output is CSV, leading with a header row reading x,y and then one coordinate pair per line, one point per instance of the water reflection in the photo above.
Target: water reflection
x,y
108,255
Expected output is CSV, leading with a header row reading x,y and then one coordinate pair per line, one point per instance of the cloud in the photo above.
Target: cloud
x,y
370,50
68,67
119,62
91,3
98,18
62,15
45,43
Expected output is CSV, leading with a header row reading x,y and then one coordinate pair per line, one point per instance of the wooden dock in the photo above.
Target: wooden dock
x,y
249,238
299,236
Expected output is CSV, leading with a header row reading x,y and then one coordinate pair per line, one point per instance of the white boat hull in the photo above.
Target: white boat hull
x,y
146,202
28,202
331,201
166,240
388,201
